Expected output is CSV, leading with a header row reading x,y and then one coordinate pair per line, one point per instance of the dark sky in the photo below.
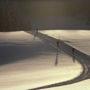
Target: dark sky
x,y
21,13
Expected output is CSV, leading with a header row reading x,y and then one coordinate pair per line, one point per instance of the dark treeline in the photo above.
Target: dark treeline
x,y
21,14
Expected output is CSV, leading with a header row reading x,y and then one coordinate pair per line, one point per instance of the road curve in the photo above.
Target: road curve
x,y
81,57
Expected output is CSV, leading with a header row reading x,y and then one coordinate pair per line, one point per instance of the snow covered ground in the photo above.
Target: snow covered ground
x,y
80,39
28,62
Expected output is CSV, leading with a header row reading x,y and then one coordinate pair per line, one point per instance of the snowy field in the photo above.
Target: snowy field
x,y
80,39
28,62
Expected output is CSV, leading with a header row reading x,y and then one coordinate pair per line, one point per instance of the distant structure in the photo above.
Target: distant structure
x,y
36,30
73,52
57,43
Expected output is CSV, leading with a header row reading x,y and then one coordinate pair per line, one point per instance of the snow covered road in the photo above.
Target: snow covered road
x,y
80,56
79,39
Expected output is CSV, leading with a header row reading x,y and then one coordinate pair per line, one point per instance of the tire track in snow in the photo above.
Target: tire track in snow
x,y
81,57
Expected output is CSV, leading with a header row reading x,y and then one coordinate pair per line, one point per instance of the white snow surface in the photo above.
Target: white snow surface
x,y
27,62
79,39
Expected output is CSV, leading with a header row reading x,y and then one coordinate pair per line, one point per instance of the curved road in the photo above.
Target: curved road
x,y
81,57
